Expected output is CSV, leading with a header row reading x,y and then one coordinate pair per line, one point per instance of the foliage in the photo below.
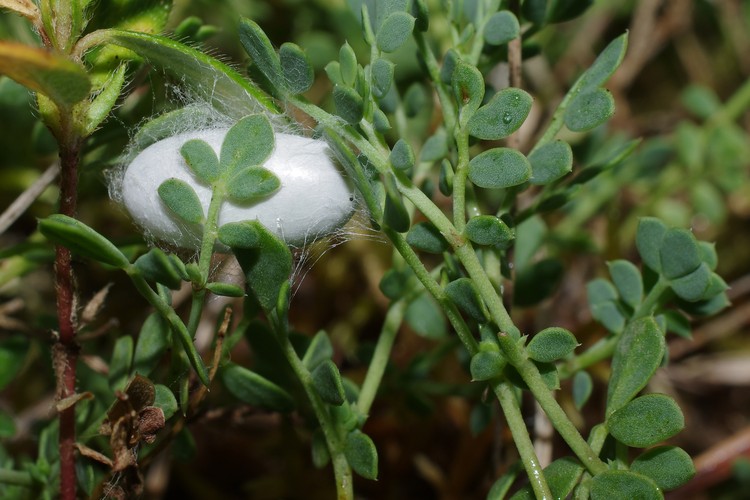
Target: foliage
x,y
480,224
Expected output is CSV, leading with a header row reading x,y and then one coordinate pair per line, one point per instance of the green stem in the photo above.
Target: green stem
x,y
446,102
18,478
734,107
341,469
513,416
178,327
210,234
375,371
459,180
558,117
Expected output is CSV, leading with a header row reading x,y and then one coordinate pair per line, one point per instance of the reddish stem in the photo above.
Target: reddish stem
x,y
66,350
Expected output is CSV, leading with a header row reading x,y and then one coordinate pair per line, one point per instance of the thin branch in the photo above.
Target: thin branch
x,y
24,201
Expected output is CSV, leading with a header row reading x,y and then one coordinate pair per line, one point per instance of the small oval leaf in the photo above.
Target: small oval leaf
x,y
638,354
502,116
295,65
327,381
427,238
248,143
589,109
348,104
250,184
488,230
465,295
499,168
394,31
179,197
628,281
550,162
646,421
486,365
361,454
201,159
623,485
501,28
551,344
668,466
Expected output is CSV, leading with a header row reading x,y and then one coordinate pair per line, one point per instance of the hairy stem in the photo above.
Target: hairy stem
x,y
66,350
341,469
513,416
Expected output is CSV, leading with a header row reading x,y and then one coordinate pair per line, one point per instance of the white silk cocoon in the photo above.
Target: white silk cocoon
x,y
314,199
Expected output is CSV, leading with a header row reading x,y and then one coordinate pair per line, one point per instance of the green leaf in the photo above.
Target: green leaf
x,y
156,266
646,421
499,168
81,240
40,70
164,399
668,466
582,388
248,143
267,267
251,388
103,103
503,115
445,181
201,159
252,183
551,344
382,77
209,78
609,315
562,475
348,104
501,28
435,147
361,454
465,295
468,87
241,235
648,240
679,253
319,350
589,109
638,354
260,50
153,342
427,238
225,289
488,230
327,381
395,214
402,155
486,365
296,68
394,32
179,197
119,364
708,254
13,352
320,454
693,287
550,162
606,64
623,485
425,316
348,65
627,279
